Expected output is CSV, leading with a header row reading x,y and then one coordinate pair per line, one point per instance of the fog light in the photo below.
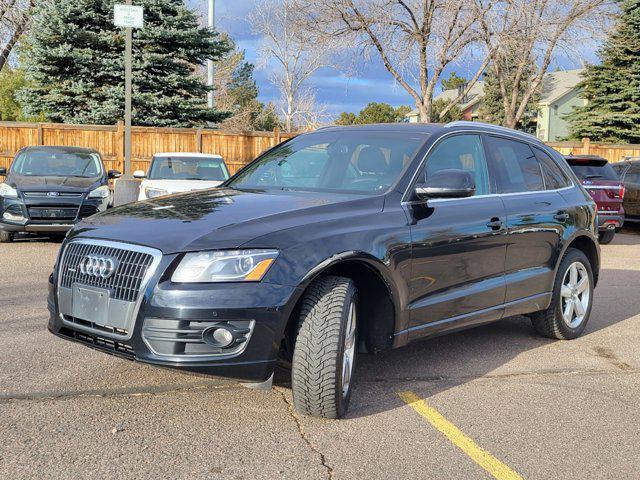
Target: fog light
x,y
218,336
13,218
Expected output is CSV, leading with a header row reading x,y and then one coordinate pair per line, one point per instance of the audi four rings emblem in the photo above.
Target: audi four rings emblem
x,y
98,267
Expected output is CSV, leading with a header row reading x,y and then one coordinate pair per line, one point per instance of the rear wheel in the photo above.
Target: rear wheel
x,y
325,349
606,237
6,237
571,300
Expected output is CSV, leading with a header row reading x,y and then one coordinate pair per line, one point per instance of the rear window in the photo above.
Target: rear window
x,y
592,169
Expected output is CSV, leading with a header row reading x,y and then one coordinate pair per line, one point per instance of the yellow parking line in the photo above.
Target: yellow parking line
x,y
483,458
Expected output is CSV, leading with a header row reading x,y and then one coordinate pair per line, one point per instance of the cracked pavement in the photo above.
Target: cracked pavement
x,y
546,409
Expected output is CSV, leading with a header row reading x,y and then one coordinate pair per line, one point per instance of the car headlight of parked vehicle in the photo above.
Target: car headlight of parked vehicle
x,y
224,266
100,192
155,192
8,191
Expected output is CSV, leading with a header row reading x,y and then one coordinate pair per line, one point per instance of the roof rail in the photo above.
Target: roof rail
x,y
497,128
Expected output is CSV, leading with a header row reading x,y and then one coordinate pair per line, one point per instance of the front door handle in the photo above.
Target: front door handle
x,y
495,224
561,216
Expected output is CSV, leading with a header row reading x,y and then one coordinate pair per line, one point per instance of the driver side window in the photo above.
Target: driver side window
x,y
461,152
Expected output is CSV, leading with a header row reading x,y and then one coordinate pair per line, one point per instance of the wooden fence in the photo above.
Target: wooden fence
x,y
236,148
612,152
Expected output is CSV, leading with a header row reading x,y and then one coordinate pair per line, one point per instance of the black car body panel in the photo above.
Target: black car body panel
x,y
629,174
443,264
51,203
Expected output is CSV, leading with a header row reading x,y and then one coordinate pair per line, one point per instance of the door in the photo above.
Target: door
x,y
631,201
537,215
458,249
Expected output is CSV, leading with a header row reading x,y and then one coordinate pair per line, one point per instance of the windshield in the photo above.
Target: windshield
x,y
362,161
42,163
188,168
593,171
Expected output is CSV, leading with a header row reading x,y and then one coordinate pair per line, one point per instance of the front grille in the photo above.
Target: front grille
x,y
59,195
124,284
100,342
53,212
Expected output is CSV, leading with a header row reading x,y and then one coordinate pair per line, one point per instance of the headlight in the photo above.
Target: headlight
x,y
8,191
100,192
224,266
155,192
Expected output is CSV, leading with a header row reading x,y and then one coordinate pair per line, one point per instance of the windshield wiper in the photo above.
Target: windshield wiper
x,y
587,177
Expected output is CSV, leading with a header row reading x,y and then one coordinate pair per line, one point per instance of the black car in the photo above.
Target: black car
x,y
48,189
629,173
336,242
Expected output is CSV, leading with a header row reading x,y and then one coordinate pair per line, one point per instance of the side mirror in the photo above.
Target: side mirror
x,y
139,174
452,183
3,172
114,174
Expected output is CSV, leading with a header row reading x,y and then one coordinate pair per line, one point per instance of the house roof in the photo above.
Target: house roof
x,y
555,85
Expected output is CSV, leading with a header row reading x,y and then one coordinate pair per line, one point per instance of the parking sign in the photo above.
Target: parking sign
x,y
128,16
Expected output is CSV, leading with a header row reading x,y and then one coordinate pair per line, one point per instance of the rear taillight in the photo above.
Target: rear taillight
x,y
621,191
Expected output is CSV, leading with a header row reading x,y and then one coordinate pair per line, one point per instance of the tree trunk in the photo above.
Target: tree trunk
x,y
425,112
6,51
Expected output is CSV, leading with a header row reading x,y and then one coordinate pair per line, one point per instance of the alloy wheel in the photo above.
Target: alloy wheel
x,y
575,295
349,350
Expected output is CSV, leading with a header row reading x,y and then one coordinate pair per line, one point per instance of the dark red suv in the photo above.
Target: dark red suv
x,y
600,179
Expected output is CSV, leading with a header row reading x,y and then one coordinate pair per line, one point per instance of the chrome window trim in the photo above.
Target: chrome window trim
x,y
157,257
498,133
602,187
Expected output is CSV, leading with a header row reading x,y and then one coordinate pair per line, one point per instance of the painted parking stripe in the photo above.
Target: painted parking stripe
x,y
483,458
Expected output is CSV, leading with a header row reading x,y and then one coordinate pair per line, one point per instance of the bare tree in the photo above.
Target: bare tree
x,y
523,37
415,39
289,61
14,18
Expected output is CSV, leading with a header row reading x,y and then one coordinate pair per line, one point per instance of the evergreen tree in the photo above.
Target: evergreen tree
x,y
453,81
612,89
347,118
492,107
374,113
74,62
10,82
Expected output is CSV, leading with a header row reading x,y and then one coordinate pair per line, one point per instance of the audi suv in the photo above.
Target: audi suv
x,y
48,189
337,242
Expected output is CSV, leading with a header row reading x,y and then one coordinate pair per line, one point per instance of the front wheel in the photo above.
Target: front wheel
x,y
606,237
325,350
571,299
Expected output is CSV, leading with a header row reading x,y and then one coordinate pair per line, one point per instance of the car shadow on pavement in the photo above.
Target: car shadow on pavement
x,y
437,364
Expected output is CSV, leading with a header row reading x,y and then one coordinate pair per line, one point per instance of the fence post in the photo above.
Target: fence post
x,y
120,145
199,140
40,135
586,145
276,135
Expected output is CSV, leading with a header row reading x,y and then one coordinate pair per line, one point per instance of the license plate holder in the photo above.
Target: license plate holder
x,y
91,304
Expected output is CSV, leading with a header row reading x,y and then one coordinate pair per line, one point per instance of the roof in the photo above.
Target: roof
x,y
61,149
187,154
555,85
428,128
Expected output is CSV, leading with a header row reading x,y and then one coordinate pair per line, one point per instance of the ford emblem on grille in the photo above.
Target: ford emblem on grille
x,y
98,267
53,194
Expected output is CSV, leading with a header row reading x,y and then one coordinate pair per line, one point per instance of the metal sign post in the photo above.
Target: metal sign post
x,y
130,17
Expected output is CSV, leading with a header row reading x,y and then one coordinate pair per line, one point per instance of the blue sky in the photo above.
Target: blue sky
x,y
336,91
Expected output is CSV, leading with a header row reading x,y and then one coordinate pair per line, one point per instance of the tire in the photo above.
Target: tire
x,y
551,322
606,237
6,237
327,329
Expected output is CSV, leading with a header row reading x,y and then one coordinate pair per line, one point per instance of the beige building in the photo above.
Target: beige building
x,y
558,96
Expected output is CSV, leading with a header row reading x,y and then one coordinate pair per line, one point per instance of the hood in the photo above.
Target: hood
x,y
218,218
46,184
179,186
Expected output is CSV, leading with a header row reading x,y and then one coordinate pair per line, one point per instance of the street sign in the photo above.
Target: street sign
x,y
131,16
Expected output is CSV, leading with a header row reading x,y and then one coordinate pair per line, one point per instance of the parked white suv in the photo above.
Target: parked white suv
x,y
181,172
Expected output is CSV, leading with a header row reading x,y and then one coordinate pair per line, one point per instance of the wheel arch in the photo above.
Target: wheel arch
x,y
588,245
378,298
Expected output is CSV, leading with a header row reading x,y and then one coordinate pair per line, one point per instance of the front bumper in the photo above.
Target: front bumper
x,y
21,207
178,309
610,221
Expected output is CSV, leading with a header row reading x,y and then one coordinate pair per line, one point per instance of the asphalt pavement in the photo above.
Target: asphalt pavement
x,y
493,402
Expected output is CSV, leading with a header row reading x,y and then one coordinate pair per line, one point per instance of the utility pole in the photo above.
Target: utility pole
x,y
127,98
210,66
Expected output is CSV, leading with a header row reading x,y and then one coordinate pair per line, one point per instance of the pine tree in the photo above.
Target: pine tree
x,y
612,88
453,81
74,62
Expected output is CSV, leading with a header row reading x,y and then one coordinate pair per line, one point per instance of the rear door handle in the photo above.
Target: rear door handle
x,y
561,216
495,224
